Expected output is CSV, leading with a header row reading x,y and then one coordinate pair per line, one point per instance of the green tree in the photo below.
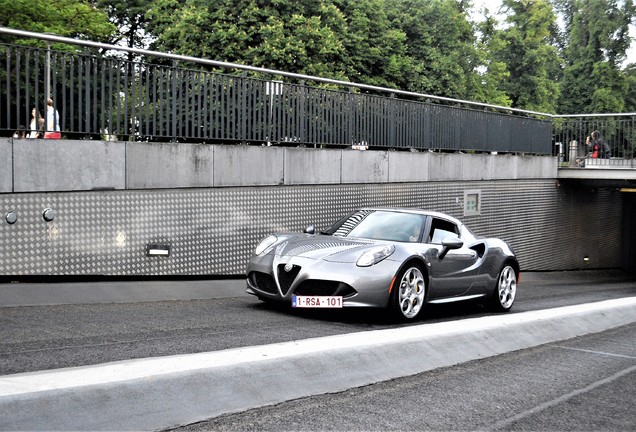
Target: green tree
x,y
129,16
343,39
440,43
526,46
630,94
294,36
72,18
376,52
598,40
491,72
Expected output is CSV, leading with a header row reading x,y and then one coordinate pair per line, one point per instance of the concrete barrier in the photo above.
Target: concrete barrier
x,y
66,165
169,165
166,392
84,165
6,165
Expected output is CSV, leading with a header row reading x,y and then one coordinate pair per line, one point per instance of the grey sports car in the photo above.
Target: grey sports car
x,y
398,259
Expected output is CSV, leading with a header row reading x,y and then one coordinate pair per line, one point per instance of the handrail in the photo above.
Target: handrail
x,y
62,39
594,115
229,65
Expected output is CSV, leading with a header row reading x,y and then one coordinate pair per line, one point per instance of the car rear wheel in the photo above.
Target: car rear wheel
x,y
506,289
407,298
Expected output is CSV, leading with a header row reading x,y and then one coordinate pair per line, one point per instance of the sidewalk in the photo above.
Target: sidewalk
x,y
56,293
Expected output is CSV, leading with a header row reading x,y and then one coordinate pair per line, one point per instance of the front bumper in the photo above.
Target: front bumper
x,y
281,278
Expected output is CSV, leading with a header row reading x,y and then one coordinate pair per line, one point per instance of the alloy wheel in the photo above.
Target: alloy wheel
x,y
507,287
411,292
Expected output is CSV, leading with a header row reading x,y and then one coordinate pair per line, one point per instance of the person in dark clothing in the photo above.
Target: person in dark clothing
x,y
597,146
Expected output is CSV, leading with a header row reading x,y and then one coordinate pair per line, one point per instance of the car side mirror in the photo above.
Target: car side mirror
x,y
310,230
450,243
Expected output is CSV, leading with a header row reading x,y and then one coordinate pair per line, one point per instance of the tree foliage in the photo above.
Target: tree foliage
x,y
129,16
440,46
294,36
72,18
532,61
522,57
492,72
598,40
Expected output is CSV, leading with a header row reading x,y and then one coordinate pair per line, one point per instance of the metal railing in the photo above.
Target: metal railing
x,y
615,145
165,97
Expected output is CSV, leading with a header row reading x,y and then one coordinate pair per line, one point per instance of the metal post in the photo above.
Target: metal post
x,y
174,101
47,72
47,86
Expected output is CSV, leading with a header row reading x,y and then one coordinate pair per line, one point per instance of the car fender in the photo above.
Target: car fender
x,y
423,264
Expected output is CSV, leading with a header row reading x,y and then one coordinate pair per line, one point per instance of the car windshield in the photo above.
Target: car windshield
x,y
380,225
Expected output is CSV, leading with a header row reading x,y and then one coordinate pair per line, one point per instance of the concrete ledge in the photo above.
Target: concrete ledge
x,y
531,167
168,165
65,165
165,392
312,166
241,165
81,165
365,166
6,165
477,167
409,167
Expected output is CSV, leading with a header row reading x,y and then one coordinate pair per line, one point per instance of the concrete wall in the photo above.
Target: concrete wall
x,y
213,231
168,165
6,165
56,165
211,204
64,165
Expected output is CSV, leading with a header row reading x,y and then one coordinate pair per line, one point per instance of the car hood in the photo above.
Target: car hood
x,y
328,248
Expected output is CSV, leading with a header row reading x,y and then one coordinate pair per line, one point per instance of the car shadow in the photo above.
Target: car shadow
x,y
377,317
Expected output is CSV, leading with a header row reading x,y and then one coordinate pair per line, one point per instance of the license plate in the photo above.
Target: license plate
x,y
317,301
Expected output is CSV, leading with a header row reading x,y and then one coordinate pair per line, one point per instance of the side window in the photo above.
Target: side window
x,y
440,229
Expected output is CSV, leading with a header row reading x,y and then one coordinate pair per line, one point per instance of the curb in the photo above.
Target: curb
x,y
165,392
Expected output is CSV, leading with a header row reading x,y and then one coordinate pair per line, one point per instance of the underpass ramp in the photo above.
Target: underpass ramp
x,y
164,392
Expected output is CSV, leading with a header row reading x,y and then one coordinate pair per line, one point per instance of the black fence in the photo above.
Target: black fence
x,y
596,141
99,96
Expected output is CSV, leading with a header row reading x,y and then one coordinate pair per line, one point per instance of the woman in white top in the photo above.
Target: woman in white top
x,y
37,124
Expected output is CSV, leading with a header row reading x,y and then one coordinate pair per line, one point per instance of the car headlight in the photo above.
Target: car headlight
x,y
375,255
265,244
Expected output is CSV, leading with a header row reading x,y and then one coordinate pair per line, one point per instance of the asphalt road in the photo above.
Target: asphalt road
x,y
582,384
47,337
586,383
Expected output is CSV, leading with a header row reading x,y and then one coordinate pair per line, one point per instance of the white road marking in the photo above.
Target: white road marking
x,y
509,421
596,352
151,368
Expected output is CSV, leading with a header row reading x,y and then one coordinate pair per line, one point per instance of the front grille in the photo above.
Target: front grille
x,y
315,287
286,278
264,282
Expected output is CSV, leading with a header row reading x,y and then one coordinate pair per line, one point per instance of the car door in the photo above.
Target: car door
x,y
453,274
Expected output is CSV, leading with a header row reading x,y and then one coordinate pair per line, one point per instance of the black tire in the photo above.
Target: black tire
x,y
408,295
505,289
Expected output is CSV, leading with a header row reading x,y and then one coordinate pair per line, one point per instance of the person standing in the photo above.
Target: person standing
x,y
599,148
52,121
36,127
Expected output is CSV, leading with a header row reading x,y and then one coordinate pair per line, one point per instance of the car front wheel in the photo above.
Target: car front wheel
x,y
506,289
407,298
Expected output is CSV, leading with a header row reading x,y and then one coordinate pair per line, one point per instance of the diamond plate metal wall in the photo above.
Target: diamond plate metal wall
x,y
213,231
